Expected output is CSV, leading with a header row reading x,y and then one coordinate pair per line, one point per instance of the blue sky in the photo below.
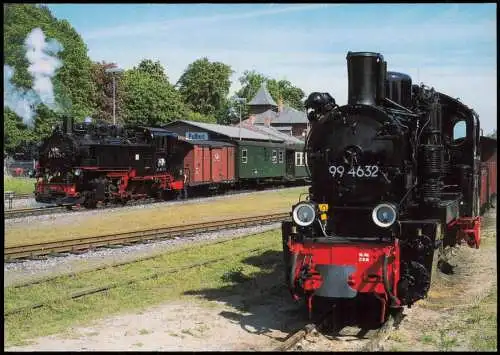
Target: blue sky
x,y
449,46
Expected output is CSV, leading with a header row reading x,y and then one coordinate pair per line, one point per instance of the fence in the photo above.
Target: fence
x,y
19,168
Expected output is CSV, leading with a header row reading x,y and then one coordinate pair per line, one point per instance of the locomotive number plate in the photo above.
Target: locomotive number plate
x,y
360,171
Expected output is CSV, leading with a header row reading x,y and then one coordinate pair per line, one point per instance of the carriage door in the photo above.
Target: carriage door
x,y
217,164
290,164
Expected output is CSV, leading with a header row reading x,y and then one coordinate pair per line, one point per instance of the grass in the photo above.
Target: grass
x,y
19,185
463,323
155,217
59,316
482,320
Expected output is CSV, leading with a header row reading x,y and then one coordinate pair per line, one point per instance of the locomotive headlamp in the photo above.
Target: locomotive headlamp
x,y
304,214
384,215
78,172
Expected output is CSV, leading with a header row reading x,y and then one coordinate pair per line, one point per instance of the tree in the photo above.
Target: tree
x,y
250,82
493,134
153,69
73,86
15,130
149,100
198,117
291,95
104,92
231,111
284,90
204,85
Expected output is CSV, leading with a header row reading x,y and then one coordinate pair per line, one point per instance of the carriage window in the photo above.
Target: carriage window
x,y
281,157
298,158
275,157
244,158
459,130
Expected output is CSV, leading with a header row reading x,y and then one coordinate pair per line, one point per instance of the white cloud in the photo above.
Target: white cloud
x,y
441,51
154,27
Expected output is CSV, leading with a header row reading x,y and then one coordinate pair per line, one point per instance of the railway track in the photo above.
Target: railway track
x,y
39,211
22,196
108,287
368,340
88,243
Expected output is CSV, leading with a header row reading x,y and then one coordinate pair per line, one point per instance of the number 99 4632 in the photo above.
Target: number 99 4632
x,y
360,171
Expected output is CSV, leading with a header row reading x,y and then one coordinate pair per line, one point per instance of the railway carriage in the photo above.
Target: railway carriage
x,y
488,188
260,161
259,156
208,164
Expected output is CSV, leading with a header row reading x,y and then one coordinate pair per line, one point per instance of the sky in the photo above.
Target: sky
x,y
451,47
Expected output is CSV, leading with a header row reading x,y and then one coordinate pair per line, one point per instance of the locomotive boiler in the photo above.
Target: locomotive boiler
x,y
394,184
87,163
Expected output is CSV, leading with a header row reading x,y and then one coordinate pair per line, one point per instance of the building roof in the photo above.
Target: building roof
x,y
260,118
270,131
209,143
287,115
262,98
231,131
283,128
290,115
159,132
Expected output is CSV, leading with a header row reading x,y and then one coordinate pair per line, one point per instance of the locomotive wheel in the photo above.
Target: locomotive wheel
x,y
90,203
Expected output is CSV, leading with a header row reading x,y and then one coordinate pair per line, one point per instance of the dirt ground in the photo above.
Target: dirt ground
x,y
258,314
439,323
252,315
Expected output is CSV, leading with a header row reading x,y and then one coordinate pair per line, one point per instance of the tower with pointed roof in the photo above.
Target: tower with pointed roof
x,y
262,102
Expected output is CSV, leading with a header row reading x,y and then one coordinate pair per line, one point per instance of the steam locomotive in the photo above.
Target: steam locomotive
x,y
88,162
393,185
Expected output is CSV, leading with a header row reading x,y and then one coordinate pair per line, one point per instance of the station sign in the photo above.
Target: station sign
x,y
197,136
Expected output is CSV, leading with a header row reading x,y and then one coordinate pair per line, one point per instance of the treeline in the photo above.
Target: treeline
x,y
144,94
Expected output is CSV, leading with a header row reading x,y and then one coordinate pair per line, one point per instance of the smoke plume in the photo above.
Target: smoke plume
x,y
43,66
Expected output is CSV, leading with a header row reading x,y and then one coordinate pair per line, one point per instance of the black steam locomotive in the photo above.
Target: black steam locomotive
x,y
392,187
88,162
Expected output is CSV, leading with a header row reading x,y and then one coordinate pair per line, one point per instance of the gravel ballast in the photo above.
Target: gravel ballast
x,y
20,272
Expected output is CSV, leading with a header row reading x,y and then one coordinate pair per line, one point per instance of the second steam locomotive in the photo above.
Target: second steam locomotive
x,y
96,163
393,185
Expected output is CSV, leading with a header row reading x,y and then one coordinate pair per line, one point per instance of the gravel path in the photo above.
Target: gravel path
x,y
21,272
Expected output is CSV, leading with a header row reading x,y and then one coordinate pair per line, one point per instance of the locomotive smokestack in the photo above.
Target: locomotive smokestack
x,y
366,73
67,124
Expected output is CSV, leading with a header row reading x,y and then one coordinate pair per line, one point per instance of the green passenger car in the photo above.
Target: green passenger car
x,y
260,160
295,163
270,161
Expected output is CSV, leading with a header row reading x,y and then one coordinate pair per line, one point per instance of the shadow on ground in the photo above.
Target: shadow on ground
x,y
261,300
263,303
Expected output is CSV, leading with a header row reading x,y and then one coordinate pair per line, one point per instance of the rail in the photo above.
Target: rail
x,y
103,288
24,212
373,340
86,243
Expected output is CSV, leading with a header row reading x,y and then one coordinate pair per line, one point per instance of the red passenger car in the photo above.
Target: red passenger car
x,y
488,172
